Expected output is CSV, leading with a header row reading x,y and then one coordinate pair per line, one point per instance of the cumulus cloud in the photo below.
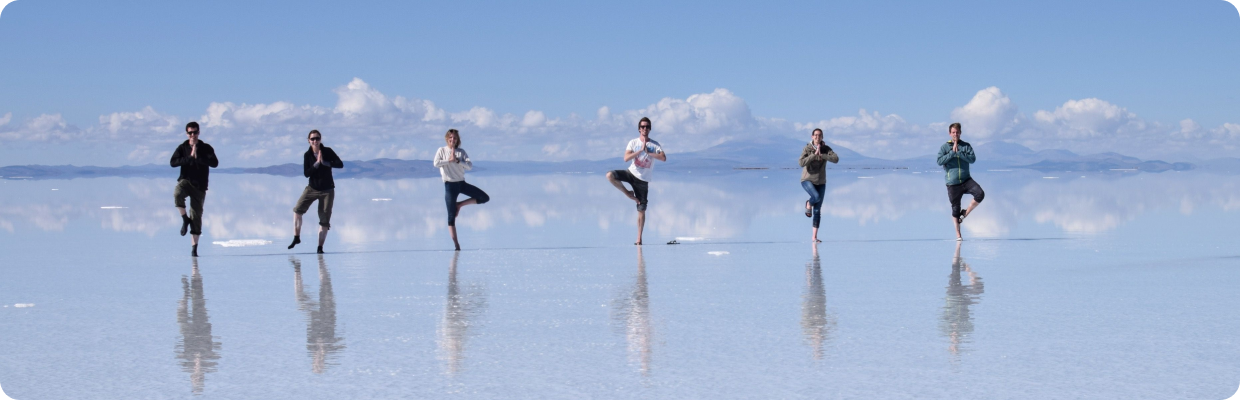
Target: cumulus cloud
x,y
990,114
44,128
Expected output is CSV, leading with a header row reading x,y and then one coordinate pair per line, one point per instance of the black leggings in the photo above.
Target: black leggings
x,y
955,192
453,189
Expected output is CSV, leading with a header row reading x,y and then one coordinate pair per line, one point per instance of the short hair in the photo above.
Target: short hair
x,y
451,133
191,124
647,121
954,125
314,131
816,130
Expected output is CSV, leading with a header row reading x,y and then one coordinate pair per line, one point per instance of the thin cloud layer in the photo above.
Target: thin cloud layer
x,y
366,123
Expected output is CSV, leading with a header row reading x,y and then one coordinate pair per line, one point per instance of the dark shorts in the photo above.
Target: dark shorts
x,y
454,189
640,188
197,197
955,192
325,197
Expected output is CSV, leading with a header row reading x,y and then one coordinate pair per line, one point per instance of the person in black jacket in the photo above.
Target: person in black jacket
x,y
318,163
196,158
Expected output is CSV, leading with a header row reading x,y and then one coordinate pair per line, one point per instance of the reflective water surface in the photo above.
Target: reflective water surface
x,y
1110,285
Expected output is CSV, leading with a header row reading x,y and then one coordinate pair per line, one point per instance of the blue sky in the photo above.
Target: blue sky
x,y
77,78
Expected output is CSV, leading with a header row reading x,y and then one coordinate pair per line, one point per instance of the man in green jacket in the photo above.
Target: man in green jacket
x,y
955,157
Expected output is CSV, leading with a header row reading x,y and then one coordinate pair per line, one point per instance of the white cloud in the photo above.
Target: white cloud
x,y
145,122
44,128
366,123
1078,119
988,115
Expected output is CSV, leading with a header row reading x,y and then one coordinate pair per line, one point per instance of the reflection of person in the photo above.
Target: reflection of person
x,y
321,339
816,325
452,162
957,323
196,158
814,159
198,350
317,164
633,312
955,157
461,310
642,151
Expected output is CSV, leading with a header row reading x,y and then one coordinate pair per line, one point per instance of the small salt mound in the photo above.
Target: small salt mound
x,y
689,239
717,253
23,305
380,199
243,242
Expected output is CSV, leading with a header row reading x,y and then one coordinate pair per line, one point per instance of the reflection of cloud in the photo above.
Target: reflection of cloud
x,y
259,206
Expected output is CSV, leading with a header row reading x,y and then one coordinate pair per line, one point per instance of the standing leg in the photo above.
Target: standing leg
x,y
954,193
641,191
197,198
641,224
451,190
814,204
325,216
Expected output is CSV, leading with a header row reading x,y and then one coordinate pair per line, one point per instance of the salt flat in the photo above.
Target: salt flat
x,y
1115,285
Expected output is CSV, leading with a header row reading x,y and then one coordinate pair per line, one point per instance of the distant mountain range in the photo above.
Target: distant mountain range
x,y
762,153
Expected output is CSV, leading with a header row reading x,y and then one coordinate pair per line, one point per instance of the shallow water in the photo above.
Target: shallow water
x,y
1115,285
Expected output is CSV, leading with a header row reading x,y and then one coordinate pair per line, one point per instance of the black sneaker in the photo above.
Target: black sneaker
x,y
184,225
320,250
194,252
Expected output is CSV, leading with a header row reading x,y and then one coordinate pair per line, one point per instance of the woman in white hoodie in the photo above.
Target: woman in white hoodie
x,y
452,162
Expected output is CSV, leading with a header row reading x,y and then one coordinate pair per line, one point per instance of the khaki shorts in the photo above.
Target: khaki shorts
x,y
325,198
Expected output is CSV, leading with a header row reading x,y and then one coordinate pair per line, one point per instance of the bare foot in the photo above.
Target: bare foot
x,y
631,196
639,243
817,241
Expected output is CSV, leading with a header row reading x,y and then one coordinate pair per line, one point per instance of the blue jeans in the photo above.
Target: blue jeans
x,y
453,189
816,193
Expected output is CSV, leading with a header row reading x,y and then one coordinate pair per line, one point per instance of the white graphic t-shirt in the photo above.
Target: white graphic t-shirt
x,y
643,163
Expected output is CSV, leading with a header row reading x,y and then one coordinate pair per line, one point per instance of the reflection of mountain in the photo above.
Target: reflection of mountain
x,y
956,323
462,311
631,313
197,349
321,340
816,323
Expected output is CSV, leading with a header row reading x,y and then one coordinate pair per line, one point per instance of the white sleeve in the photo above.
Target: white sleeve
x,y
440,158
469,165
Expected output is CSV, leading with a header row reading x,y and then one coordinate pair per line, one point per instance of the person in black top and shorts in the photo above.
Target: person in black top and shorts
x,y
196,158
317,164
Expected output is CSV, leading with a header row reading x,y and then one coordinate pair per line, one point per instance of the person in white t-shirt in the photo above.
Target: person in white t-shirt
x,y
642,151
452,162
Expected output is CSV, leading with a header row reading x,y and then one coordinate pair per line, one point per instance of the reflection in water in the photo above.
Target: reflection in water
x,y
321,340
197,349
461,312
816,324
632,313
956,323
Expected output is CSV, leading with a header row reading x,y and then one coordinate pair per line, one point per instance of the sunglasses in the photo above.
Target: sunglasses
x,y
191,132
643,127
315,138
